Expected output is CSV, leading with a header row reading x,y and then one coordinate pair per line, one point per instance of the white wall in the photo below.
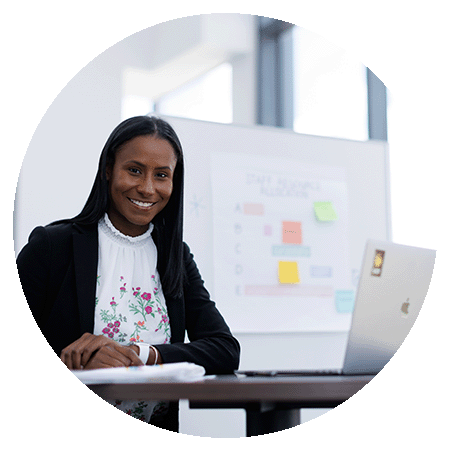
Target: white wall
x,y
68,140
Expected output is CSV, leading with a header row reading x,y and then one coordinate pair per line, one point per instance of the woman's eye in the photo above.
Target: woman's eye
x,y
134,170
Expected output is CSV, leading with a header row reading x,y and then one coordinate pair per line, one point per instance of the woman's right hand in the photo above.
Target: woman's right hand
x,y
94,352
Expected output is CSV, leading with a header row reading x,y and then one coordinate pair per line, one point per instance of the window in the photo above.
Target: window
x,y
208,97
413,198
330,88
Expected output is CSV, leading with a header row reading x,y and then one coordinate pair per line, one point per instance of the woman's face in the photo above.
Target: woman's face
x,y
140,183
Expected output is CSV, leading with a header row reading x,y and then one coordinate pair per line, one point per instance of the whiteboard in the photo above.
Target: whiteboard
x,y
251,211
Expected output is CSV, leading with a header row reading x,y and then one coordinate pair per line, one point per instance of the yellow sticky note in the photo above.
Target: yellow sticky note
x,y
288,272
325,211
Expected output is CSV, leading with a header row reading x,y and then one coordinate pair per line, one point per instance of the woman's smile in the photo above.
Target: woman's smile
x,y
140,204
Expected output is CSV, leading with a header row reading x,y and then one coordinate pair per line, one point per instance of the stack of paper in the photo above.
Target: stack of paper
x,y
182,371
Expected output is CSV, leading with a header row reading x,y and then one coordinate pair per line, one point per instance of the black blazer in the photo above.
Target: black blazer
x,y
58,272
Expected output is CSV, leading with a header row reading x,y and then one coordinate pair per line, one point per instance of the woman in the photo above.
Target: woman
x,y
116,285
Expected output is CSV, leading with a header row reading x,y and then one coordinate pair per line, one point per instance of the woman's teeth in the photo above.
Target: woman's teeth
x,y
142,204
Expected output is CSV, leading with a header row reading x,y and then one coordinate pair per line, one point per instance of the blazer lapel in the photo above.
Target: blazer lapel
x,y
85,251
175,310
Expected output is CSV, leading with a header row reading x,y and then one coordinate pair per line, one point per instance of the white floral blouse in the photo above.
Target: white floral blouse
x,y
130,305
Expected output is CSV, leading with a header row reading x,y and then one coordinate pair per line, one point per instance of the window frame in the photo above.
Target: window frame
x,y
276,82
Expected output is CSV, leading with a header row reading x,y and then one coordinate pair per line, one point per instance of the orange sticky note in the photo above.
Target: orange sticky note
x,y
292,233
288,272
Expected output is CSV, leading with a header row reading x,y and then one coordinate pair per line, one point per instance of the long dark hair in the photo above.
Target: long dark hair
x,y
168,224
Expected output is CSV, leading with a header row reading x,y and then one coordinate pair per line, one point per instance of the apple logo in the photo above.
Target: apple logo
x,y
405,307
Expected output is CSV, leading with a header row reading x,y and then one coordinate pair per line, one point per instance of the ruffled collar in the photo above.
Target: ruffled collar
x,y
106,226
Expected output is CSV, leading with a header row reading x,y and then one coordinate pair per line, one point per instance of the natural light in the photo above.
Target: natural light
x,y
413,198
330,89
331,100
201,99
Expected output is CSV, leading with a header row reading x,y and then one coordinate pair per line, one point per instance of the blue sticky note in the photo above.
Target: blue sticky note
x,y
321,271
345,301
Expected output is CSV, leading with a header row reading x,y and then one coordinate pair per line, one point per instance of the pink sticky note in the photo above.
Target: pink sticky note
x,y
292,233
254,209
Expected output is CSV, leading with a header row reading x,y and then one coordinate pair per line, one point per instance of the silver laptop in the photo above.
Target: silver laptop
x,y
393,283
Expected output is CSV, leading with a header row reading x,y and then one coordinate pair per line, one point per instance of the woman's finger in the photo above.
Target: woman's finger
x,y
108,356
131,355
92,346
77,354
70,355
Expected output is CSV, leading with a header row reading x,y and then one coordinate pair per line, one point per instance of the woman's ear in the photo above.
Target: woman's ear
x,y
108,171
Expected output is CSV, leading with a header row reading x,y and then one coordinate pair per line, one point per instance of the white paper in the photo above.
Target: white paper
x,y
183,371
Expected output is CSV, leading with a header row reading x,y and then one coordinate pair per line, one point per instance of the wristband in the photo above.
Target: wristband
x,y
144,351
156,354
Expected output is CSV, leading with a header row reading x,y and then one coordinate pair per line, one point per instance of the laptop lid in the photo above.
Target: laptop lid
x,y
393,283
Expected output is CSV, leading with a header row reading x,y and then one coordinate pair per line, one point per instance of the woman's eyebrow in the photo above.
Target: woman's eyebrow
x,y
137,163
140,164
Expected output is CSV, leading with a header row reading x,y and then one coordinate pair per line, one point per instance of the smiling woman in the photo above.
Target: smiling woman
x,y
140,183
115,285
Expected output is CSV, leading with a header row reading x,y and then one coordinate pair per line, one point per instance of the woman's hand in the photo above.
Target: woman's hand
x,y
93,352
112,356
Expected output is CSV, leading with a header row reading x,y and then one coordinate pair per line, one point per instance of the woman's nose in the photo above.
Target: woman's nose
x,y
146,187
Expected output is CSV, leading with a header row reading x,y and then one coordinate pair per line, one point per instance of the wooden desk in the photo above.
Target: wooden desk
x,y
271,403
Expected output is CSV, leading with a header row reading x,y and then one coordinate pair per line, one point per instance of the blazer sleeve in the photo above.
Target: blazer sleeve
x,y
33,264
211,343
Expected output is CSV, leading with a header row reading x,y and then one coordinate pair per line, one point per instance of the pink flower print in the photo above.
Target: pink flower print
x,y
110,325
116,330
122,290
164,318
106,330
121,278
113,303
117,323
153,276
111,335
148,309
146,296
